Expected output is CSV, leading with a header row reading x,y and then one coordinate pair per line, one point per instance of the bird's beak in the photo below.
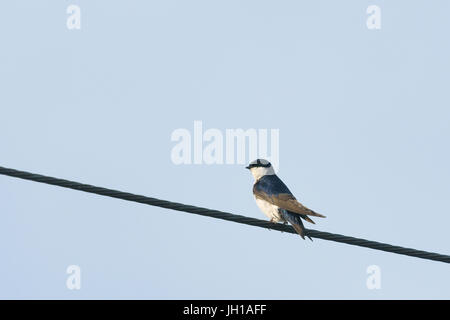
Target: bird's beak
x,y
247,167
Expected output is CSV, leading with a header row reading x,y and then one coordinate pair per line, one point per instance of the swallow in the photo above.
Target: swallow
x,y
275,200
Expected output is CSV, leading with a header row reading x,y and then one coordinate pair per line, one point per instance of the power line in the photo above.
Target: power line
x,y
222,215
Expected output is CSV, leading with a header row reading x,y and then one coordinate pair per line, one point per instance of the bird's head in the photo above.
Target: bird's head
x,y
260,168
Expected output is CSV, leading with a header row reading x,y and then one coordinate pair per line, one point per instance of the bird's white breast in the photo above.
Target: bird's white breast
x,y
270,210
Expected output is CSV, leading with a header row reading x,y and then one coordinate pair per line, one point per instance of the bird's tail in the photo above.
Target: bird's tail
x,y
295,220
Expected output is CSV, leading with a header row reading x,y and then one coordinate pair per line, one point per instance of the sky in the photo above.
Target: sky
x,y
363,121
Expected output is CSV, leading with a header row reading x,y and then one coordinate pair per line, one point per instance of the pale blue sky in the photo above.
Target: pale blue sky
x,y
364,133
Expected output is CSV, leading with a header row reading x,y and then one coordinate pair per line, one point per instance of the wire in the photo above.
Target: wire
x,y
222,215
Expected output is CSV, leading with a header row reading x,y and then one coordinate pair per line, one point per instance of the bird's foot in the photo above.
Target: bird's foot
x,y
271,221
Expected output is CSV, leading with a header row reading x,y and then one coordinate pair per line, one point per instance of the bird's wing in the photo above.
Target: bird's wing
x,y
285,201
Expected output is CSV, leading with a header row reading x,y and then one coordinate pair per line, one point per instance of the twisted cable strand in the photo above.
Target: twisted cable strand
x,y
222,215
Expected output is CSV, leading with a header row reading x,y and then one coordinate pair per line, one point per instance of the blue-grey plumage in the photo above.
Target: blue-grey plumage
x,y
271,184
296,221
275,199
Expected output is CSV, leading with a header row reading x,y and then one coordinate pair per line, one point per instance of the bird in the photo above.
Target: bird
x,y
275,200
